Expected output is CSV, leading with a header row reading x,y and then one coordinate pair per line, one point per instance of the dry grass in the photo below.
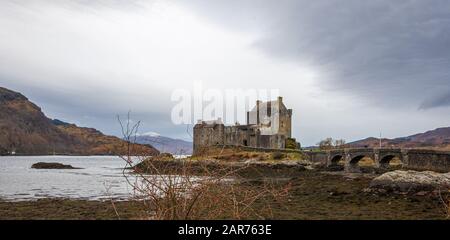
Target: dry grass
x,y
395,162
175,191
366,162
445,200
236,154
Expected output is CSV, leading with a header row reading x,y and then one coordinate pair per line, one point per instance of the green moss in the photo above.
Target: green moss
x,y
291,143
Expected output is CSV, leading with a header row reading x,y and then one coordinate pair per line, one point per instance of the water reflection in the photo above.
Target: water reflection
x,y
100,178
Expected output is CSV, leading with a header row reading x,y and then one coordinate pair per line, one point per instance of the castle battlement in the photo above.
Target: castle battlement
x,y
268,126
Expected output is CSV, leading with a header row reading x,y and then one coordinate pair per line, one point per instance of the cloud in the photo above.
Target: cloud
x,y
438,101
347,68
389,53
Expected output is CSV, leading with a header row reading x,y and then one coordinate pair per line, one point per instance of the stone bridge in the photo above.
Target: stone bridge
x,y
411,158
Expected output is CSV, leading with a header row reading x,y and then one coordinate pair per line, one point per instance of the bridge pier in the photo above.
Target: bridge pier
x,y
335,156
349,165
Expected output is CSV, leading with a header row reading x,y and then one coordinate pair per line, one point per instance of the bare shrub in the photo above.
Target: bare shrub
x,y
195,189
445,200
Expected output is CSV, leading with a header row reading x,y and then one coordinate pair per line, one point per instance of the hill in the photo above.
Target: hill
x,y
438,139
26,130
166,144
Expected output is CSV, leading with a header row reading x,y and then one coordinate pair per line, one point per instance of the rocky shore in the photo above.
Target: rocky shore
x,y
411,182
313,195
315,192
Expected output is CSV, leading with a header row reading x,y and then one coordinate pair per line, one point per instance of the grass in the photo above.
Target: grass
x,y
229,154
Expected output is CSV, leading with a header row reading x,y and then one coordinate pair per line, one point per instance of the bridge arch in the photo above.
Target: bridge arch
x,y
389,160
335,159
360,161
386,158
355,159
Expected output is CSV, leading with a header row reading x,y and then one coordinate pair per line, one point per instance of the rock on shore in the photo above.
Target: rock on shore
x,y
411,181
51,165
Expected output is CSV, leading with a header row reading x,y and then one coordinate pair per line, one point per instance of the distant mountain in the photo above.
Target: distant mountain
x,y
25,129
165,144
435,139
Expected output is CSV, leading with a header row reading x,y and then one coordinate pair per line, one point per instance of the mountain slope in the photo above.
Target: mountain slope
x,y
435,139
26,130
166,144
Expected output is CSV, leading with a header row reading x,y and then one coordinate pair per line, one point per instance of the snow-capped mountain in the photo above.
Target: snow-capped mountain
x,y
165,144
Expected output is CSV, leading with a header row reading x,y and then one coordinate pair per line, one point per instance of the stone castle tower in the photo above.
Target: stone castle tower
x,y
268,126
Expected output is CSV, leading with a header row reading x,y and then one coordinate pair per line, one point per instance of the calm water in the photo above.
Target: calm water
x,y
100,178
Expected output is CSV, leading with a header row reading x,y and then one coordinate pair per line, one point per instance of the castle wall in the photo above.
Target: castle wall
x,y
273,141
285,124
205,136
241,136
268,126
277,141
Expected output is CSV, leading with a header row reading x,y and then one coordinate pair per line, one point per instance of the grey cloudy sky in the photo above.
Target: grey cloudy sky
x,y
348,68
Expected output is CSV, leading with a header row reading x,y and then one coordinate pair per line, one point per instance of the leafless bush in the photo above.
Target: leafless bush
x,y
194,189
445,200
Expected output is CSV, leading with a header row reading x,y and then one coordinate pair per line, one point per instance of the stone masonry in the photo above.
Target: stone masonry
x,y
268,126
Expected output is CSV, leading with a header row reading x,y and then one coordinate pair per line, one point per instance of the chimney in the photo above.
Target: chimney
x,y
257,111
280,99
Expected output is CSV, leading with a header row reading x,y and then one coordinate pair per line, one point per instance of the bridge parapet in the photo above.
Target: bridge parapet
x,y
423,159
389,150
418,159
359,150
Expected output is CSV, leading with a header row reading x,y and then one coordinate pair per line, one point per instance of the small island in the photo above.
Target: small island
x,y
52,165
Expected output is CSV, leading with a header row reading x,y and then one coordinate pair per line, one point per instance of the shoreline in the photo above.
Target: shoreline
x,y
57,155
314,195
316,192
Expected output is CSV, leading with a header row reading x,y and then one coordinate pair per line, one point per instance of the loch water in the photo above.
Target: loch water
x,y
99,178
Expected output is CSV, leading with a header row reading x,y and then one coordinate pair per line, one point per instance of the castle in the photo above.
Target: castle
x,y
268,126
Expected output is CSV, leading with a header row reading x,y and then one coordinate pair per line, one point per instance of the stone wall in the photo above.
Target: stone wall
x,y
256,149
285,122
268,126
241,135
427,160
317,156
205,136
416,159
